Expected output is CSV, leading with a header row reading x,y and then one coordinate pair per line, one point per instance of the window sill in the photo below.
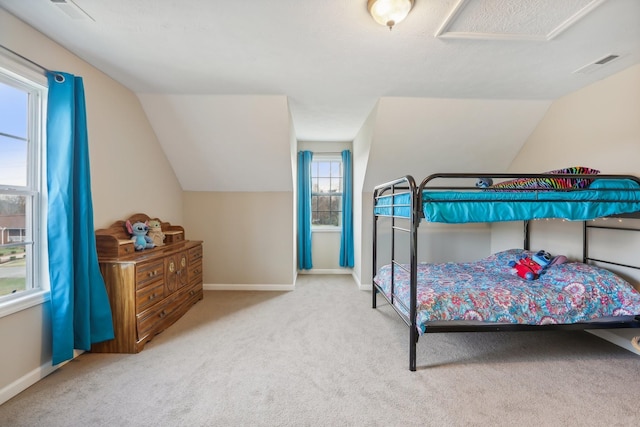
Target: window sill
x,y
23,302
326,229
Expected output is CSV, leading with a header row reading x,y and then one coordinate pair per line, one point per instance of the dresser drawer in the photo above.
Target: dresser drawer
x,y
152,320
149,295
195,271
125,247
149,272
172,236
195,254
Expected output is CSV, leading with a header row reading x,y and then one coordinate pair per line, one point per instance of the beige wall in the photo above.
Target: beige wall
x,y
247,237
598,127
207,136
129,174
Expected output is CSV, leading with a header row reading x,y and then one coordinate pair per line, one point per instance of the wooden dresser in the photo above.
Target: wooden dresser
x,y
149,289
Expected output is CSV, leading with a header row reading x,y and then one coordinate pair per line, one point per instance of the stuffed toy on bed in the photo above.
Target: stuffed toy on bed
x,y
484,182
530,268
138,231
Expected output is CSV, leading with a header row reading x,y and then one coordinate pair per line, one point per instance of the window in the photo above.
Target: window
x,y
326,190
22,97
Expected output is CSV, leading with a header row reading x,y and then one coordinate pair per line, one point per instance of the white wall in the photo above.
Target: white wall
x,y
293,152
129,174
362,203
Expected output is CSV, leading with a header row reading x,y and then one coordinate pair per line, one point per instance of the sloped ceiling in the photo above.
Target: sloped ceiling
x,y
224,143
332,63
464,135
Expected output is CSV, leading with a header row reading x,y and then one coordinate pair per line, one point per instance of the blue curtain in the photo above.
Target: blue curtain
x,y
346,237
304,210
80,309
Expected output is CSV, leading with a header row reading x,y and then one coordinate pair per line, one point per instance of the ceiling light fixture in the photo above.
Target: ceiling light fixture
x,y
389,12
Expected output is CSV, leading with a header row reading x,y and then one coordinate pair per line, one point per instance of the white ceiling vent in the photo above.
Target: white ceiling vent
x,y
71,9
597,65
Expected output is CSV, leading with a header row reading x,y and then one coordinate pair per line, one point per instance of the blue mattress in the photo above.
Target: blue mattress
x,y
602,198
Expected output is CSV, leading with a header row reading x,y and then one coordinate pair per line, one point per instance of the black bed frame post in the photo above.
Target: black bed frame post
x,y
374,254
585,244
413,329
392,292
526,235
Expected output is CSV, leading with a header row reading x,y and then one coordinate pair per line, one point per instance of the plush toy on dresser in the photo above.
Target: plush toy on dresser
x,y
138,231
155,232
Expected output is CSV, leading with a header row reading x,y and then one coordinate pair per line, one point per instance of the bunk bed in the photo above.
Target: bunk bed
x,y
486,295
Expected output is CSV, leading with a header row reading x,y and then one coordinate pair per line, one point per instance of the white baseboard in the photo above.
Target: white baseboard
x,y
327,271
361,286
26,381
620,337
278,287
247,287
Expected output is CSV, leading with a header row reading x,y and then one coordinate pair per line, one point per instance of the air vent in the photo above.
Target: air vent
x,y
71,9
597,65
607,59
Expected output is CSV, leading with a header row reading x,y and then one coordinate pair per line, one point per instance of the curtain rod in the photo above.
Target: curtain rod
x,y
25,58
59,77
329,153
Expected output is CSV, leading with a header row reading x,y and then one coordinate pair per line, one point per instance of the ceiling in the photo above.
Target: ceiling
x,y
333,62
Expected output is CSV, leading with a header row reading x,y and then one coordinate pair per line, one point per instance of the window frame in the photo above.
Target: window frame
x,y
18,73
328,157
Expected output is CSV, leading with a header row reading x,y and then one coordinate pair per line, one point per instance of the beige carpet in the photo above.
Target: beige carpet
x,y
320,356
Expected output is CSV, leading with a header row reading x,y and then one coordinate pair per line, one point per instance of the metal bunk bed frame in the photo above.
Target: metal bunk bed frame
x,y
407,185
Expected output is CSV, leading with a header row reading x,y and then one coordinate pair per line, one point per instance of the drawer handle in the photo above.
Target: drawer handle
x,y
192,292
152,297
163,314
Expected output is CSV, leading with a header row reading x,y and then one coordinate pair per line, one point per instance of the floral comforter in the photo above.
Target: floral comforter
x,y
487,290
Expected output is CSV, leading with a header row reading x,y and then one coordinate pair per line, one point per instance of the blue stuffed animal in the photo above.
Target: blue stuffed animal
x,y
484,182
139,230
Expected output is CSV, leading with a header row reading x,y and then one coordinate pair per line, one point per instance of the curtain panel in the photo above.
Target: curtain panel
x,y
346,235
304,210
81,314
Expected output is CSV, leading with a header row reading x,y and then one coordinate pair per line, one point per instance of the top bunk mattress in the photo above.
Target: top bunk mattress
x,y
602,198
